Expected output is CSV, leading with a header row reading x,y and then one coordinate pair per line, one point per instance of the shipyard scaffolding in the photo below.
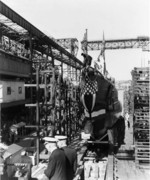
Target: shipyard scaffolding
x,y
53,99
141,116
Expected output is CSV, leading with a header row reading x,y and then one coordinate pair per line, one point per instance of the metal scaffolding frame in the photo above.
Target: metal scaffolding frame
x,y
40,40
42,53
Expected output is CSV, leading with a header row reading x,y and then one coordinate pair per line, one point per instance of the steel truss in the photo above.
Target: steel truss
x,y
139,42
22,30
42,52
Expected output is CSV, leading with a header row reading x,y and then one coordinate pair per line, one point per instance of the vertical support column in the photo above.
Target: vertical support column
x,y
31,77
69,71
0,124
60,114
45,99
76,72
54,84
37,114
76,120
62,69
68,103
70,117
1,157
60,98
1,34
45,89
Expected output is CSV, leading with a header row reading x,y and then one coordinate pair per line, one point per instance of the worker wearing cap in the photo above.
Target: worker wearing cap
x,y
56,169
71,156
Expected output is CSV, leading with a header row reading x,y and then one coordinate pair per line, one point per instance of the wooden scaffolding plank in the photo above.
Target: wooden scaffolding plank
x,y
110,165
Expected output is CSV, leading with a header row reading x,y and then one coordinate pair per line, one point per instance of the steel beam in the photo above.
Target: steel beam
x,y
66,42
139,42
16,18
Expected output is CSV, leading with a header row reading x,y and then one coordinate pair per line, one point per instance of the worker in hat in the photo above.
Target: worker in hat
x,y
56,169
71,156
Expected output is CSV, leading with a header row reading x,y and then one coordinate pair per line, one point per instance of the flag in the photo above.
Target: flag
x,y
103,47
103,54
102,50
84,43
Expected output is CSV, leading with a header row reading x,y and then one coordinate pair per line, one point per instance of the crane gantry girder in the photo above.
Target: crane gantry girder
x,y
139,42
69,43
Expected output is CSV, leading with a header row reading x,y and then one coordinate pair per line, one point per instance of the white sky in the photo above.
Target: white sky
x,y
119,19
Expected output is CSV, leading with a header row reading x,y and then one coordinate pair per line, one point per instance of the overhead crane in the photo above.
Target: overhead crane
x,y
142,42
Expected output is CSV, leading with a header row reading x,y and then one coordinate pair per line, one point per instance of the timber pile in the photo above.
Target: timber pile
x,y
141,91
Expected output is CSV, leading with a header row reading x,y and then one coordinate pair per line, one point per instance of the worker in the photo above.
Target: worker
x,y
71,156
56,169
87,60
